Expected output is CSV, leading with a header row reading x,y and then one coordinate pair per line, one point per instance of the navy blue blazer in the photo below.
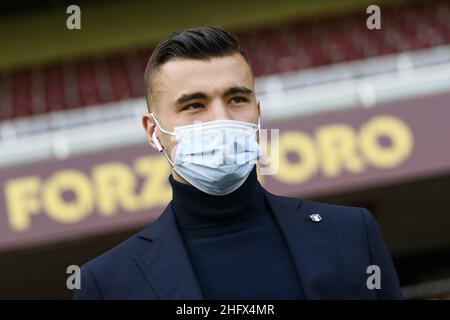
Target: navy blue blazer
x,y
331,257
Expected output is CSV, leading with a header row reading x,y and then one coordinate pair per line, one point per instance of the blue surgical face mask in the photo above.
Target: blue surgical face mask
x,y
217,156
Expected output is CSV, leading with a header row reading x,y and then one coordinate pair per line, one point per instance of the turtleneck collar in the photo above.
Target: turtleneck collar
x,y
196,209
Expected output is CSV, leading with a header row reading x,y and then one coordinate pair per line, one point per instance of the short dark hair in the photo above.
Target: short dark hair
x,y
194,43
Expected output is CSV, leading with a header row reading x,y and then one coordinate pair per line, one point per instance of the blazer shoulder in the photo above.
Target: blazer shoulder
x,y
343,218
334,210
112,274
133,245
119,257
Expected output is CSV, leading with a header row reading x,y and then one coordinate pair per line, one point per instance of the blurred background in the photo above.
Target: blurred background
x,y
364,119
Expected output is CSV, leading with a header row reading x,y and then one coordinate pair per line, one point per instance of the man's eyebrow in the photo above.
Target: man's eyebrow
x,y
234,90
191,96
201,95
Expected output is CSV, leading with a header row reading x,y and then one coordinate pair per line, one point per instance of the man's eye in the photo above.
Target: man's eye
x,y
192,106
239,99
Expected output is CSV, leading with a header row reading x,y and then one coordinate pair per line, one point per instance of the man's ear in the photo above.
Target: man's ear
x,y
149,126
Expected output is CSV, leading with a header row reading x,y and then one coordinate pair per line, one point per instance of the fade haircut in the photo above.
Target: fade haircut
x,y
194,43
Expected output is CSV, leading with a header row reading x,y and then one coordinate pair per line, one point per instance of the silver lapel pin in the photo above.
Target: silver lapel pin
x,y
315,217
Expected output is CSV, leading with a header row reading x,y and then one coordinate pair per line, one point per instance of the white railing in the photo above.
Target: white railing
x,y
365,83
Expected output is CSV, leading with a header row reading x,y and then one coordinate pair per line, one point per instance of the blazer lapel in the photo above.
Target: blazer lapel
x,y
311,244
165,262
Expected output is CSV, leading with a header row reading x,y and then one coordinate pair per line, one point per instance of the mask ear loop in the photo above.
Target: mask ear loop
x,y
168,158
157,143
258,129
258,132
159,126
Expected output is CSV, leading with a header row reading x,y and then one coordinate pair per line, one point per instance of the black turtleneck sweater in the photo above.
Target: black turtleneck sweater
x,y
234,243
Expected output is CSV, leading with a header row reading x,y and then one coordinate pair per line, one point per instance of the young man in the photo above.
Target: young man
x,y
223,236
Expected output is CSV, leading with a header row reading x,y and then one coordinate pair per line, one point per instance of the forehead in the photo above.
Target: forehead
x,y
213,76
